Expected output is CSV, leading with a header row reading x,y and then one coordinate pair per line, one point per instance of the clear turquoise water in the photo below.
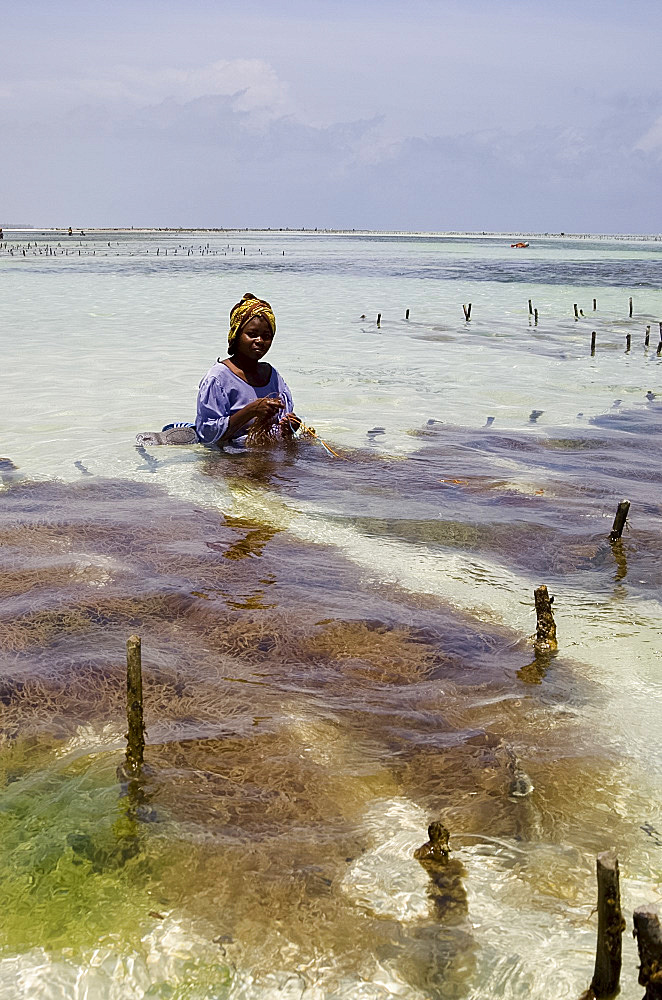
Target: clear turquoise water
x,y
333,647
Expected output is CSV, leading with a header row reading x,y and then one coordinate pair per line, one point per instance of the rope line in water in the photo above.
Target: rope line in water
x,y
306,431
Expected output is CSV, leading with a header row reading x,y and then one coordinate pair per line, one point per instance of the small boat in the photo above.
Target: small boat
x,y
518,246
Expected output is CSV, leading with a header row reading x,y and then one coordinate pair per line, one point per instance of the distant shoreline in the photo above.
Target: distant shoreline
x,y
455,234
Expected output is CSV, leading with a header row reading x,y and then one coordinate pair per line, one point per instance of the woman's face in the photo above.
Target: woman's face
x,y
254,339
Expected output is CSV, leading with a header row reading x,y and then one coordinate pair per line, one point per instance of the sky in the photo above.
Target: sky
x,y
435,115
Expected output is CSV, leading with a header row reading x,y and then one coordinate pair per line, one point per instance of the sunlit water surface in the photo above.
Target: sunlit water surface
x,y
336,650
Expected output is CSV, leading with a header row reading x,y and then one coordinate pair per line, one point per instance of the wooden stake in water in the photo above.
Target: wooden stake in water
x,y
446,889
379,319
611,925
407,314
619,520
530,308
467,312
545,641
576,311
649,942
595,304
135,748
535,316
437,847
628,343
647,337
593,343
630,307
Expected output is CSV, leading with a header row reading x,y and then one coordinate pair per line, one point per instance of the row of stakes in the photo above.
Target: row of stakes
x,y
628,341
578,313
49,251
466,309
436,853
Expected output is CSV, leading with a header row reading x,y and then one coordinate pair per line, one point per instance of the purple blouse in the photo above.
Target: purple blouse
x,y
222,393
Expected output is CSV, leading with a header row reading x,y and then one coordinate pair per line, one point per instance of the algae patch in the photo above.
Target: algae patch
x,y
73,869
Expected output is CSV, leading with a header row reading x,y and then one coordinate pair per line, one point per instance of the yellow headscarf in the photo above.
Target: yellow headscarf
x,y
248,308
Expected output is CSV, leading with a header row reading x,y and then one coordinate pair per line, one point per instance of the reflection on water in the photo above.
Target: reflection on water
x,y
256,537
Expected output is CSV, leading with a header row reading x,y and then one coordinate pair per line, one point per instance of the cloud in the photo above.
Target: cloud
x,y
252,83
591,180
651,140
224,144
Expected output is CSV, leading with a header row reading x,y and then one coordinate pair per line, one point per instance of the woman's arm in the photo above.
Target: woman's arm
x,y
213,411
214,423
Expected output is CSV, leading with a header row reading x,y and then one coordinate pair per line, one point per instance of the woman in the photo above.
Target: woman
x,y
242,387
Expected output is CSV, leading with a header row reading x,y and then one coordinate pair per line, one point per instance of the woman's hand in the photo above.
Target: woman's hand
x,y
265,407
289,424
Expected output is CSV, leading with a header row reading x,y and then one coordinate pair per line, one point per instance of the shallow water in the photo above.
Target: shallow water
x,y
336,651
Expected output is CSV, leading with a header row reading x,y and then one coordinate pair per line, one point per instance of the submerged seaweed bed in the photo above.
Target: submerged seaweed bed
x,y
300,717
335,653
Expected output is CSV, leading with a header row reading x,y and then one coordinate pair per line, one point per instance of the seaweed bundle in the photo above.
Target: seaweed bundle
x,y
264,429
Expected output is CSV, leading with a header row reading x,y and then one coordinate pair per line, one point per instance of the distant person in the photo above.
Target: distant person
x,y
243,390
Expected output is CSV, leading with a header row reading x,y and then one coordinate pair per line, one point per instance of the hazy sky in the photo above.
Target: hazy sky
x,y
382,114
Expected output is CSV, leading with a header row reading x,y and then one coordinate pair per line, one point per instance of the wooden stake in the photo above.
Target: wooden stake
x,y
630,307
535,316
467,312
593,343
595,304
647,337
134,704
576,311
659,349
545,642
379,319
437,848
628,342
611,925
407,314
649,942
530,308
446,890
619,520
